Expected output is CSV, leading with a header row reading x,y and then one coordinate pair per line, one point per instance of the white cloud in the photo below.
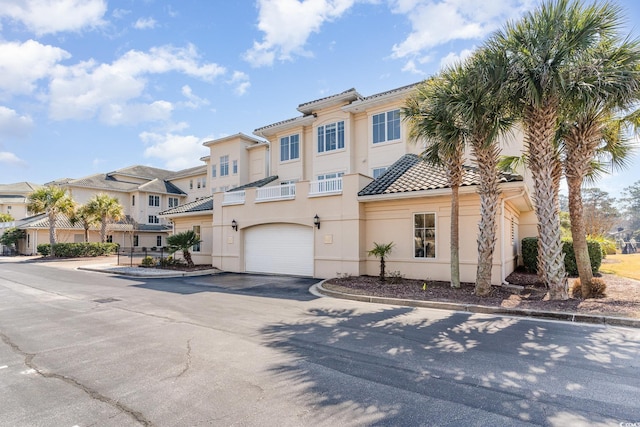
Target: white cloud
x,y
287,24
435,23
453,58
23,64
13,125
177,151
53,16
145,24
410,67
10,158
194,101
88,89
241,82
130,114
120,13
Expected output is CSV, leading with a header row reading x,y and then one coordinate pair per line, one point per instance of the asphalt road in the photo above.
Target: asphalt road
x,y
87,349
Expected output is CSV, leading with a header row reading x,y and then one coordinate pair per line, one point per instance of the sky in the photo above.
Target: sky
x,y
91,86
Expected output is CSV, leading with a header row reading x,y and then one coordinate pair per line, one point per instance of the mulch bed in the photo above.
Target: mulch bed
x,y
622,296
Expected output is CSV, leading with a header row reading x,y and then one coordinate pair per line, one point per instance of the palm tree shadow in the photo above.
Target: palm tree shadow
x,y
403,366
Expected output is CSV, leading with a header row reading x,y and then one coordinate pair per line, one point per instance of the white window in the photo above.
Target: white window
x,y
224,165
330,176
154,219
154,201
204,182
289,148
136,240
173,202
378,171
331,137
386,126
196,247
224,188
133,200
213,171
234,167
190,184
110,238
159,241
198,183
424,235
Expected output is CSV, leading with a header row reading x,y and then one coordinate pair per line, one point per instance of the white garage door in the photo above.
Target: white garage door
x,y
279,249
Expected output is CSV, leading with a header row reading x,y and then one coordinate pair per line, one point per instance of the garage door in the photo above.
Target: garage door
x,y
279,249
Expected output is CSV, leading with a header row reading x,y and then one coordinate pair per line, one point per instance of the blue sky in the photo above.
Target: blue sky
x,y
90,86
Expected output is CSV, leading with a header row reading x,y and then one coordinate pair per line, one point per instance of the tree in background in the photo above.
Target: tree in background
x,y
600,212
85,218
105,209
5,217
53,201
11,236
631,205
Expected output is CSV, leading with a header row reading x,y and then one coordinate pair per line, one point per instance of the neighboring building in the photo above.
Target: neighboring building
x,y
329,183
13,198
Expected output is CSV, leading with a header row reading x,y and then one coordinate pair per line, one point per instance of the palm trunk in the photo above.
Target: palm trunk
x,y
487,158
539,133
455,173
187,257
103,229
52,231
382,274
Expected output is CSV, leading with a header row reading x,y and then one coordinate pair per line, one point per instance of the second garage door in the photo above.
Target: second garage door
x,y
279,249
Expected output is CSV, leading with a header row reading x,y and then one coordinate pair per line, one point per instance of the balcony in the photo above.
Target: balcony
x,y
325,187
276,192
233,198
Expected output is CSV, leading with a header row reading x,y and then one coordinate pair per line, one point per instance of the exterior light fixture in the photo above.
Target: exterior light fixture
x,y
316,221
234,225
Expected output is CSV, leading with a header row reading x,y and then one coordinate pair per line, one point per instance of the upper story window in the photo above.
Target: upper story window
x,y
224,165
173,202
196,230
190,184
289,147
234,167
154,201
213,171
386,126
331,137
154,219
204,182
330,176
424,235
378,171
198,183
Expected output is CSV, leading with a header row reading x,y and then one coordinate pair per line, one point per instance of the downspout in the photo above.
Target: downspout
x,y
503,273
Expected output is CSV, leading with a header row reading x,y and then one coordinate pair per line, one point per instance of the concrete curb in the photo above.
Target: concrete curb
x,y
472,308
118,271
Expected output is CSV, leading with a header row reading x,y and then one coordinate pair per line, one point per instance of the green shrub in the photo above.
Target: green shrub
x,y
171,261
148,262
530,255
44,249
76,250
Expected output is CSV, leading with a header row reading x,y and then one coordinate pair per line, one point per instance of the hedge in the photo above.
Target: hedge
x,y
530,255
76,250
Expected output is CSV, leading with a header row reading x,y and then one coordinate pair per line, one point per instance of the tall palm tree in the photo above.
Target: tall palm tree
x,y
183,242
53,201
105,209
84,217
430,120
543,52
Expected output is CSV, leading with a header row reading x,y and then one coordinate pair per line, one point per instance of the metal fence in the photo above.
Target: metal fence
x,y
134,255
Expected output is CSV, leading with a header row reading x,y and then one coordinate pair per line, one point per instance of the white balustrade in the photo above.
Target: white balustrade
x,y
325,186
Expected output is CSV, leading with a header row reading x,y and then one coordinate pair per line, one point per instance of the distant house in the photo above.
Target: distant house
x,y
312,194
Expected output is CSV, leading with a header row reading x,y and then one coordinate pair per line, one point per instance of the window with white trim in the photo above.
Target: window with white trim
x,y
330,176
190,184
224,165
213,171
154,219
173,202
133,200
331,137
136,240
290,147
196,230
424,235
386,126
234,167
159,241
378,171
154,201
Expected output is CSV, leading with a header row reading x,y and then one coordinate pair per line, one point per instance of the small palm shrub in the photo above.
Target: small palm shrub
x,y
148,262
598,288
381,250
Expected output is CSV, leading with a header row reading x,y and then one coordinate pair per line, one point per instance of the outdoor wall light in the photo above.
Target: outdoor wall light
x,y
316,221
234,225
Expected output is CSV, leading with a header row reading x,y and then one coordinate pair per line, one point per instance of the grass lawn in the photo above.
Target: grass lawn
x,y
622,265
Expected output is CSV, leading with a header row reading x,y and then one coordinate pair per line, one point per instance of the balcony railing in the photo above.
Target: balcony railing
x,y
276,192
233,198
325,186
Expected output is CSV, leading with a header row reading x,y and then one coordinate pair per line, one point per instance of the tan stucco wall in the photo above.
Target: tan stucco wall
x,y
182,224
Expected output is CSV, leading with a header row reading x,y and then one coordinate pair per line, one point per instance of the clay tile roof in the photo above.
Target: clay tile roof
x,y
259,183
200,205
410,174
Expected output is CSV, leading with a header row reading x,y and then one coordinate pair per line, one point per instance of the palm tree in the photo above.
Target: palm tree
x,y
543,53
381,250
53,201
183,242
84,217
5,217
430,120
105,209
